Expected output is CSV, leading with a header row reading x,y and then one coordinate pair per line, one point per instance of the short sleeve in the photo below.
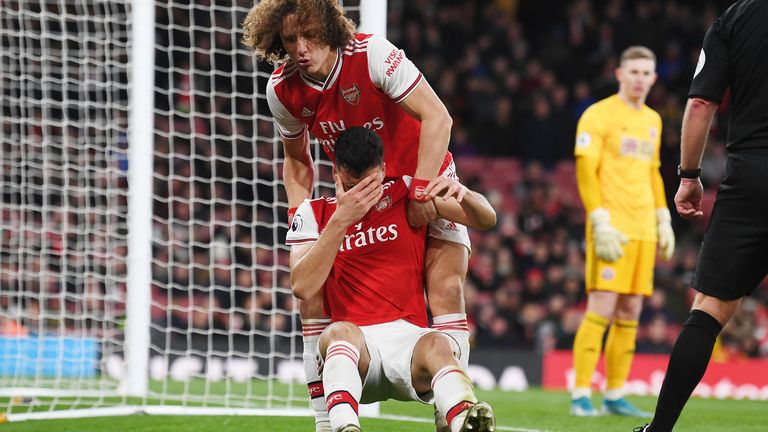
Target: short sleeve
x,y
288,125
710,79
590,135
390,70
304,228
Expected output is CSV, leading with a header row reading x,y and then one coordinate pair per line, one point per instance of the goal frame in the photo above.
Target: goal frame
x,y
135,380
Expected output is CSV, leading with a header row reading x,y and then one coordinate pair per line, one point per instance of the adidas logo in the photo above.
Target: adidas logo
x,y
305,112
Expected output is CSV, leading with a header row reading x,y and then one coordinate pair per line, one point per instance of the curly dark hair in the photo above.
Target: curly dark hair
x,y
262,25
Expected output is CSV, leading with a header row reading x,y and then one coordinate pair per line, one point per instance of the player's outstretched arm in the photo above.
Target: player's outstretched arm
x,y
312,262
457,203
423,104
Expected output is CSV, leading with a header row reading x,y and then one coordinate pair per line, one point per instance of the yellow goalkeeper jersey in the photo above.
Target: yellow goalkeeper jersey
x,y
626,143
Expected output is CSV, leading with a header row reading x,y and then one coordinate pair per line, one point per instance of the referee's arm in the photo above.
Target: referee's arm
x,y
696,122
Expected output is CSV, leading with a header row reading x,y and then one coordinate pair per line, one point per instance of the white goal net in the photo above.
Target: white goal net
x,y
142,215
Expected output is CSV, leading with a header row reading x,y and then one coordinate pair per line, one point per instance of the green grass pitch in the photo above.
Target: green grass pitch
x,y
533,410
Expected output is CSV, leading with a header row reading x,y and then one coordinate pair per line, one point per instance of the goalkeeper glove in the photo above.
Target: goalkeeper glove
x,y
665,233
608,240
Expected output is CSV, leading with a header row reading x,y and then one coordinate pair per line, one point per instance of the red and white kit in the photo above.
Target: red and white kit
x,y
376,283
378,273
370,77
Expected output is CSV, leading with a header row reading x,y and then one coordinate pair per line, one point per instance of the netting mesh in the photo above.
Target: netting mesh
x,y
64,106
224,327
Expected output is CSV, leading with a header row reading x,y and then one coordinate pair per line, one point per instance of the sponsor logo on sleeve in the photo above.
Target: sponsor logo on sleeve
x,y
393,60
297,223
583,140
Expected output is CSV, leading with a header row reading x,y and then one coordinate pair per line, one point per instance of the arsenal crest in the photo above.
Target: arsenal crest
x,y
383,204
351,95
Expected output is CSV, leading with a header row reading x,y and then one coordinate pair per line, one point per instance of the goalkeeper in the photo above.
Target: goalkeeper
x,y
617,169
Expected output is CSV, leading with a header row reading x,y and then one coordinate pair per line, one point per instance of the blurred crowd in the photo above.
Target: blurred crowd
x,y
525,286
515,75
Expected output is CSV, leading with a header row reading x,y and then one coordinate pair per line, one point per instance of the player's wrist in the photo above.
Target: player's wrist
x,y
338,222
600,216
684,173
663,215
690,181
416,192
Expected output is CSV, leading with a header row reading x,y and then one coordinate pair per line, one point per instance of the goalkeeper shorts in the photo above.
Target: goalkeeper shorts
x,y
734,255
631,274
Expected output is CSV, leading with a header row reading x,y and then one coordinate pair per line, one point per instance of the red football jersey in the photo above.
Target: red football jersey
x,y
366,83
378,273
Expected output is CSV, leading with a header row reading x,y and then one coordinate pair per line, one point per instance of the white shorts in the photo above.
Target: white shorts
x,y
391,346
442,229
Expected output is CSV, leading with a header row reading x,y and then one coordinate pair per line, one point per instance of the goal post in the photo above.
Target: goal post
x,y
140,163
142,261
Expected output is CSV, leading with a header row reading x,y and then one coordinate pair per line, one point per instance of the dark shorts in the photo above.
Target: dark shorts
x,y
734,256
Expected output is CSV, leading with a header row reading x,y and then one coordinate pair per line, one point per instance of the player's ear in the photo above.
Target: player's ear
x,y
617,73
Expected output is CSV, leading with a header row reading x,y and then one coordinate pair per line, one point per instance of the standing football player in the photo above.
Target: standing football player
x,y
617,167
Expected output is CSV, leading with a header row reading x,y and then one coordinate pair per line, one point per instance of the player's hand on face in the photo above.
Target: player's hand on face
x,y
353,204
688,199
445,187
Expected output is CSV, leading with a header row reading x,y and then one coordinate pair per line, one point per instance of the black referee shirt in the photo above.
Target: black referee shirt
x,y
735,54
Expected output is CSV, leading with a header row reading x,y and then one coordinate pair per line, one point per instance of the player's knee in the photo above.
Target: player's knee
x,y
343,331
438,346
629,307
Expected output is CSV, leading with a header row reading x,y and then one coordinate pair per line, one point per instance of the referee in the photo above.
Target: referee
x,y
734,256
